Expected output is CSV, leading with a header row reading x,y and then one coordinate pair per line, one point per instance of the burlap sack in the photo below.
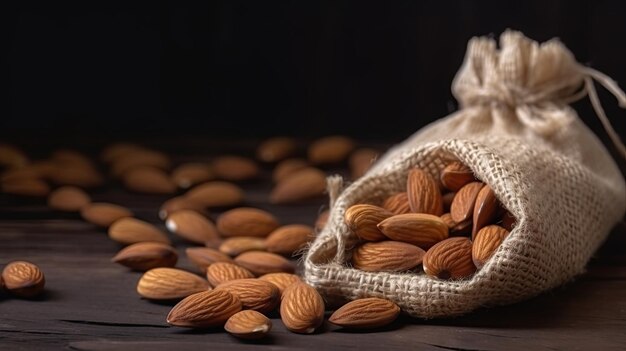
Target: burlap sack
x,y
518,134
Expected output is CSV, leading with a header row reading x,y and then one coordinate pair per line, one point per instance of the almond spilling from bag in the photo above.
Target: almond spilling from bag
x,y
254,294
361,161
281,280
169,283
220,272
130,230
104,214
144,256
248,324
276,149
246,221
397,203
235,168
203,257
68,199
423,193
189,174
192,226
181,203
260,262
287,167
387,256
450,259
462,207
330,150
25,187
302,309
239,244
204,309
487,241
148,180
23,279
216,194
420,229
288,240
363,220
366,313
301,185
456,175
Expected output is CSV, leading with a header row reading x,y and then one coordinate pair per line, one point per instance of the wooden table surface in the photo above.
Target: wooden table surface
x,y
91,304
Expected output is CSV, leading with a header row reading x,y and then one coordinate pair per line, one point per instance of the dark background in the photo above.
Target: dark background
x,y
371,69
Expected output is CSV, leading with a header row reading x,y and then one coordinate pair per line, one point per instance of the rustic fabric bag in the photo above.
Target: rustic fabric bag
x,y
518,134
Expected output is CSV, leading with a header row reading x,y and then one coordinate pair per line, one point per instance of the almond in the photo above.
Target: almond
x,y
456,175
486,209
25,187
397,203
23,279
281,280
321,220
104,214
260,262
246,221
248,324
331,149
363,220
419,229
216,194
74,174
68,198
462,206
192,226
12,157
361,161
235,168
423,193
139,157
204,310
148,180
254,294
450,259
301,185
366,313
487,241
181,203
144,256
117,150
302,309
289,239
169,283
203,257
130,230
220,272
240,244
287,167
508,221
190,174
454,228
276,149
388,256
27,172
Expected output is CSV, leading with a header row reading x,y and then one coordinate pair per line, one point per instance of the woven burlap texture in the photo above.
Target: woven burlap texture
x,y
517,132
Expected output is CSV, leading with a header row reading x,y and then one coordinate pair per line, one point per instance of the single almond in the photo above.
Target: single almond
x,y
12,157
204,309
216,194
486,209
454,228
260,262
220,272
189,174
281,280
363,220
487,241
235,168
248,324
104,214
423,193
68,199
140,157
192,226
456,175
301,185
386,256
144,256
79,175
130,230
361,161
240,244
420,229
450,259
462,206
203,257
287,167
246,221
181,203
508,221
397,203
23,279
276,149
321,220
25,187
148,180
302,308
169,283
366,313
254,294
289,239
330,150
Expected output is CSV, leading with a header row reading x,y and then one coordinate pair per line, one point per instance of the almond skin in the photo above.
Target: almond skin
x,y
288,167
220,272
144,256
361,161
216,194
68,199
486,209
148,180
281,280
487,241
456,175
259,262
419,229
330,150
288,240
302,309
248,325
203,257
462,206
23,279
189,174
130,230
239,244
181,203
25,187
169,283
423,193
386,256
204,309
192,226
363,220
104,214
246,221
235,168
397,203
367,313
276,149
301,185
254,294
450,259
